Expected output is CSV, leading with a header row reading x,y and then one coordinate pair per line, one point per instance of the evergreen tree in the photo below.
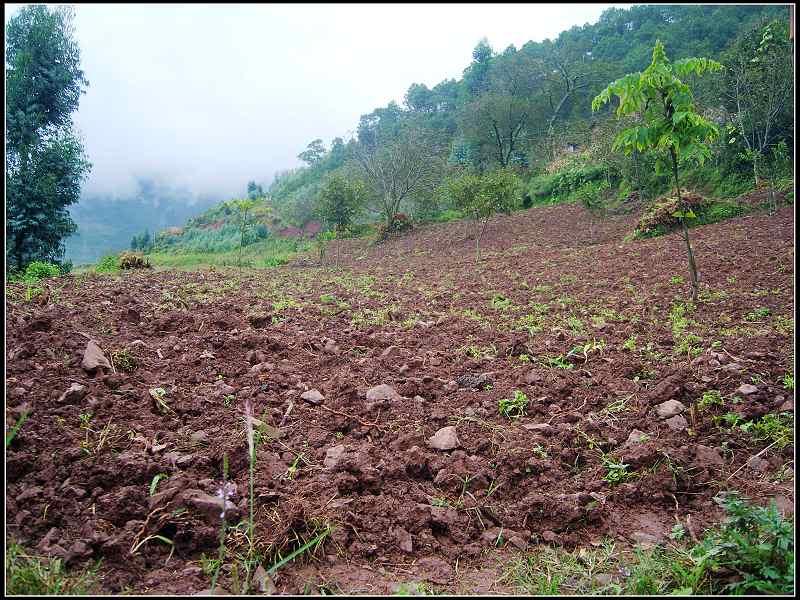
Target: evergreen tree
x,y
45,161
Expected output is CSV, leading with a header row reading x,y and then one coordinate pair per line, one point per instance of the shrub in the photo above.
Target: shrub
x,y
133,260
660,217
340,201
40,270
551,189
108,264
400,224
754,543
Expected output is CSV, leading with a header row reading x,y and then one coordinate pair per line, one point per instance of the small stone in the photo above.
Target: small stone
x,y
313,396
199,437
264,582
383,392
444,439
758,464
747,389
677,423
518,542
210,506
670,408
74,394
93,358
708,456
391,352
549,536
542,427
635,437
787,406
733,367
404,540
333,456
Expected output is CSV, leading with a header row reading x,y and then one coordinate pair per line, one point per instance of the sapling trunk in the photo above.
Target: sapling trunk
x,y
478,240
685,228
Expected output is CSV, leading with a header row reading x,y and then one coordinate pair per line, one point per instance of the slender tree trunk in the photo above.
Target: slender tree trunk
x,y
478,240
638,176
685,228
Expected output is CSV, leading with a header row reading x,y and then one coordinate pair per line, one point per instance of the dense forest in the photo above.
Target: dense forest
x,y
529,110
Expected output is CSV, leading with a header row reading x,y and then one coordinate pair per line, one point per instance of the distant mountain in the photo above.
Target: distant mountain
x,y
107,223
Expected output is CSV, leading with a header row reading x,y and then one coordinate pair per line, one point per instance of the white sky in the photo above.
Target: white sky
x,y
211,96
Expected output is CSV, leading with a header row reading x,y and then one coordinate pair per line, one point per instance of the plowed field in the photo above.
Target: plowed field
x,y
596,332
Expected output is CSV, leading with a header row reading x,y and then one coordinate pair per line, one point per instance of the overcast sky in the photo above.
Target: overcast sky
x,y
211,96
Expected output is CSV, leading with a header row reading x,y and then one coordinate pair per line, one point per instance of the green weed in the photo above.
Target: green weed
x,y
709,399
514,407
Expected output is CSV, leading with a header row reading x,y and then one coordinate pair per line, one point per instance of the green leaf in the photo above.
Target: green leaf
x,y
684,591
154,482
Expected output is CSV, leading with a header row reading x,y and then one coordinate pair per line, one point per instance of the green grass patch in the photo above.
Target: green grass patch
x,y
751,552
269,253
27,574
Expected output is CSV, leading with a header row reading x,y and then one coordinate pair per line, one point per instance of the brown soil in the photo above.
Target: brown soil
x,y
416,314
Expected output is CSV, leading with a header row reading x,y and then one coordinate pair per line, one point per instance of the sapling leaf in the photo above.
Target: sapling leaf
x,y
154,483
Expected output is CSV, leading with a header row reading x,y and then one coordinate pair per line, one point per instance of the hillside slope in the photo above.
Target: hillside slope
x,y
596,333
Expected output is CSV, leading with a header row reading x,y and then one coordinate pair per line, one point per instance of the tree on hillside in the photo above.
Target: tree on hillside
x,y
420,99
45,160
476,75
340,201
481,196
759,84
254,190
244,221
496,120
670,125
313,152
398,171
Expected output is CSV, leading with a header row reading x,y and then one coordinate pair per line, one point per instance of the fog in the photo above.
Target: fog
x,y
211,96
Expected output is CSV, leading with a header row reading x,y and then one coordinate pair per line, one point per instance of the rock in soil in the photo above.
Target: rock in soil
x,y
670,408
74,394
313,396
747,389
707,456
677,423
93,358
383,392
444,439
333,456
